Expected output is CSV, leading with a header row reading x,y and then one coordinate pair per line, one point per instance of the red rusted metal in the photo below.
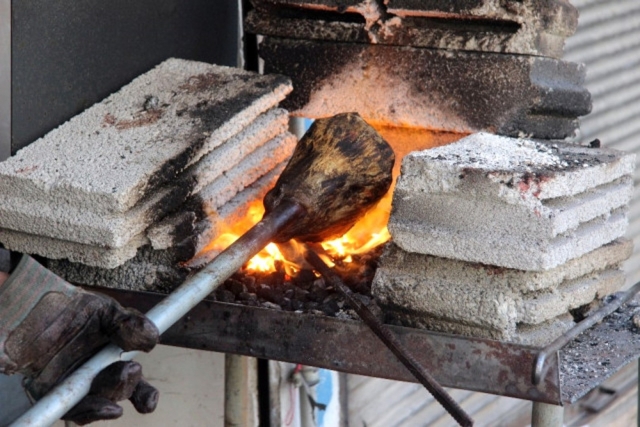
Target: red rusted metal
x,y
349,346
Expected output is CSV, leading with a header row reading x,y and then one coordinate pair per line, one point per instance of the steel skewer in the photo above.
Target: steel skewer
x,y
390,340
69,392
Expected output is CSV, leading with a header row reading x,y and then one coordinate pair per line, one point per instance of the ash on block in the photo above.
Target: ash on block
x,y
118,151
243,159
515,203
89,190
438,89
530,27
156,258
487,301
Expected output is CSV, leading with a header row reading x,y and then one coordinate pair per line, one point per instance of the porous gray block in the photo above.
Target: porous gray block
x,y
512,203
489,300
532,27
221,191
454,91
120,150
167,234
252,167
148,270
534,335
459,273
117,229
63,249
161,269
265,128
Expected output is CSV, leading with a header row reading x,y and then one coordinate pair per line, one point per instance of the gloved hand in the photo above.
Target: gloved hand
x,y
48,328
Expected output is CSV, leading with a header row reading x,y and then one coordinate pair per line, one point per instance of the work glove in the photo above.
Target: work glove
x,y
48,328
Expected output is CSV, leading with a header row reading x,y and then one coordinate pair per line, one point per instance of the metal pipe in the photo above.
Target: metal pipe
x,y
539,367
240,391
546,415
68,393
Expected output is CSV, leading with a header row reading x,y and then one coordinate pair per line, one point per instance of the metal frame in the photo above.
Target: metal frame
x,y
455,361
460,362
5,79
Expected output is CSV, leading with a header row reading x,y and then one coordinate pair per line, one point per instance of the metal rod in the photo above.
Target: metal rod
x,y
546,415
68,393
391,341
539,362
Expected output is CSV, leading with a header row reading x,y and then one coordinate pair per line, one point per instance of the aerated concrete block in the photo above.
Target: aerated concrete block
x,y
532,27
119,151
116,229
492,301
509,202
171,232
455,91
159,269
207,227
78,252
128,233
534,335
149,270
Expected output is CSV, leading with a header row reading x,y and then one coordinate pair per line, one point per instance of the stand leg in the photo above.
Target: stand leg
x,y
240,391
546,415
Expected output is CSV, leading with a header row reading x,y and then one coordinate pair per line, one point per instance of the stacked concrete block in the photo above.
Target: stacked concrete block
x,y
185,137
450,66
501,237
532,27
515,203
159,265
455,296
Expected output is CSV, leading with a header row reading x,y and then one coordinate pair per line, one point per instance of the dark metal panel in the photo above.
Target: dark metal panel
x,y
5,79
69,54
349,346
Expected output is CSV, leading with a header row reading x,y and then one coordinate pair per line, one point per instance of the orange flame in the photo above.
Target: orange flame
x,y
366,234
369,232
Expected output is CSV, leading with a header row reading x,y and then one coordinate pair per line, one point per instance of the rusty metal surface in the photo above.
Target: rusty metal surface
x,y
349,346
611,306
600,352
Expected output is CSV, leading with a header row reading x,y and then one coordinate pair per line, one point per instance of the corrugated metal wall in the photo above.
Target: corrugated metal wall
x,y
608,41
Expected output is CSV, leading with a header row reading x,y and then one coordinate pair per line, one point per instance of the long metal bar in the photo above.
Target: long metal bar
x,y
564,339
392,343
5,79
63,397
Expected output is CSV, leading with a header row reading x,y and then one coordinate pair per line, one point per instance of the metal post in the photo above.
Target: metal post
x,y
546,415
240,391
